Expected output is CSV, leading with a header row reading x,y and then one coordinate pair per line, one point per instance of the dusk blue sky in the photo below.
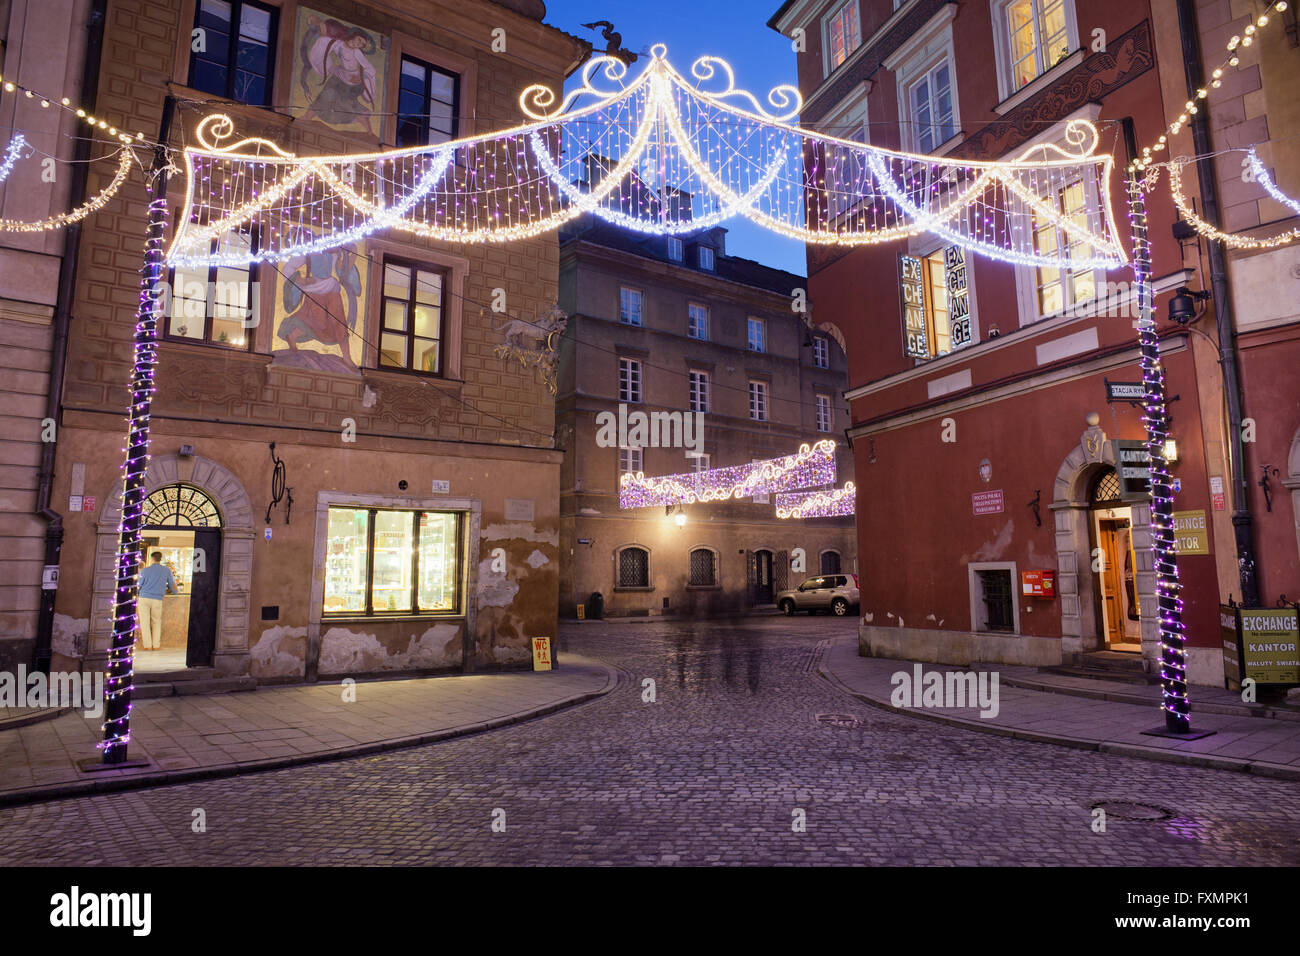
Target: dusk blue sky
x,y
735,30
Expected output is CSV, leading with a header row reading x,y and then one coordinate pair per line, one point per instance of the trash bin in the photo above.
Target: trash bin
x,y
596,606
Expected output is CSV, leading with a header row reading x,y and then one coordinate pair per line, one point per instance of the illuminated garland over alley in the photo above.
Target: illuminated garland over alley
x,y
658,155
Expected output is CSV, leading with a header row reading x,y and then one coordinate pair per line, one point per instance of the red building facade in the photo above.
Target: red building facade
x,y
993,521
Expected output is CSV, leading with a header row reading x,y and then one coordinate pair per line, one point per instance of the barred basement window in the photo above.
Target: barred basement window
x,y
997,597
703,569
634,568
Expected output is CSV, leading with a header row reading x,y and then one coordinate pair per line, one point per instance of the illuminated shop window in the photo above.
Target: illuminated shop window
x,y
381,562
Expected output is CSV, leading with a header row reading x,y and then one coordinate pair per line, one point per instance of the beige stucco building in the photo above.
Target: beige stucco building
x,y
678,326
354,477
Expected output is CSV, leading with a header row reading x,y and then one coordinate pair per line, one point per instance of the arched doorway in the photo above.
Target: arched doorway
x,y
1110,526
234,564
1084,494
182,528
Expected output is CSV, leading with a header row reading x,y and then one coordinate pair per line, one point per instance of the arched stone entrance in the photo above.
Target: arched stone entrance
x,y
1081,627
221,485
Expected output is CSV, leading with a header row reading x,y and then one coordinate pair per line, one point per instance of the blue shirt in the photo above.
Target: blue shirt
x,y
156,580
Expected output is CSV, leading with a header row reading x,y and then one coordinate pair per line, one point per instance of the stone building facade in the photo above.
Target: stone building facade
x,y
337,499
674,326
46,179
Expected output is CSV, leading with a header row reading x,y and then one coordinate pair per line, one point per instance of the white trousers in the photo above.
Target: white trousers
x,y
150,611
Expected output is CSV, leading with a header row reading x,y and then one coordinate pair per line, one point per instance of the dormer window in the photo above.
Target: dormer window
x,y
674,249
706,258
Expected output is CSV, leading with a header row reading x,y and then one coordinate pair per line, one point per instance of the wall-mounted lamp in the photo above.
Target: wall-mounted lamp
x,y
680,519
1171,450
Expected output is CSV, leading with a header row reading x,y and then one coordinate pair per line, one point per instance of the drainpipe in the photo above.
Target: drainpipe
x,y
1241,519
59,347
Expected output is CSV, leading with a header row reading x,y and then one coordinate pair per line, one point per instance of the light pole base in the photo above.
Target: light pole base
x,y
1176,735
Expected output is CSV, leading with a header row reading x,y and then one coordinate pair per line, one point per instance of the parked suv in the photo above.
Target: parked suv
x,y
835,593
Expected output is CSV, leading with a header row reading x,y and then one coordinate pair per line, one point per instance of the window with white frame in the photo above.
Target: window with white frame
x,y
843,33
629,306
629,461
758,401
930,103
629,380
757,329
706,258
697,321
821,352
1061,288
700,462
699,387
1035,36
846,175
674,249
825,414
926,83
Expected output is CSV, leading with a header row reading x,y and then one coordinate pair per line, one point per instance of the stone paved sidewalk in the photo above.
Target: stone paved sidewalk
x,y
1245,743
195,737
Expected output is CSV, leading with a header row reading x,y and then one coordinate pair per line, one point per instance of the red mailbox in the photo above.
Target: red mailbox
x,y
1038,583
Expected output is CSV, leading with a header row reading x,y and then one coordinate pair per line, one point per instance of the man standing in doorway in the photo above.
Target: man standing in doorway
x,y
156,581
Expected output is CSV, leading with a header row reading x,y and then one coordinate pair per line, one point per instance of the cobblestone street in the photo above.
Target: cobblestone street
x,y
713,771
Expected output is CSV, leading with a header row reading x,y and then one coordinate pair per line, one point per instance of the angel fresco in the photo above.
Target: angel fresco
x,y
321,299
338,83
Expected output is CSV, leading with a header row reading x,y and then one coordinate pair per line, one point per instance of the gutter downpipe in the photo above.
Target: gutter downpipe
x,y
1241,517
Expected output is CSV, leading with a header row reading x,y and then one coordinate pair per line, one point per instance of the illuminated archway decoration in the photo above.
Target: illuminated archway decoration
x,y
661,153
808,468
825,503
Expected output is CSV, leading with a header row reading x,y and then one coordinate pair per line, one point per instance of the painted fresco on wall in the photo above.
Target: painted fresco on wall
x,y
318,307
339,72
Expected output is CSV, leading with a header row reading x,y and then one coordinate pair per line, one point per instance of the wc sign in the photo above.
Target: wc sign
x,y
541,653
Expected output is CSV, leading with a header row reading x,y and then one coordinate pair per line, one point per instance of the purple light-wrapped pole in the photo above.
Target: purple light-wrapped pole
x,y
119,682
1173,653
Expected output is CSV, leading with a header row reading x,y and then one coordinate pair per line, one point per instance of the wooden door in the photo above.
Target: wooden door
x,y
1111,581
